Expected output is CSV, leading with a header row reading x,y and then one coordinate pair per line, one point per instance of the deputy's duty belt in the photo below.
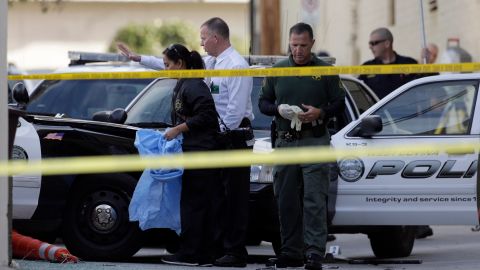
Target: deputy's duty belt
x,y
294,135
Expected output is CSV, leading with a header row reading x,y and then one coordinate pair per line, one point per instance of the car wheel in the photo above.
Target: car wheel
x,y
96,224
393,241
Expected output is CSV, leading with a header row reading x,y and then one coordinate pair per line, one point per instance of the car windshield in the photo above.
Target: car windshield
x,y
82,98
154,104
363,100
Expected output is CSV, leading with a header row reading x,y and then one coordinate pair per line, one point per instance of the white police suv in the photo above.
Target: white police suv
x,y
388,193
387,196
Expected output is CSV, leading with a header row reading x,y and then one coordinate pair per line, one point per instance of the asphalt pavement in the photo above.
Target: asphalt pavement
x,y
451,247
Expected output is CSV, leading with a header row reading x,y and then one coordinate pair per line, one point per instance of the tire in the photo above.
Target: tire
x,y
393,241
116,238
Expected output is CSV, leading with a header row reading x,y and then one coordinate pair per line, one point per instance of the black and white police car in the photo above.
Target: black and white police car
x,y
40,203
386,196
437,188
74,99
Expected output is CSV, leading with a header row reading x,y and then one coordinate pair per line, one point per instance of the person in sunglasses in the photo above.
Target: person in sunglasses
x,y
195,117
381,45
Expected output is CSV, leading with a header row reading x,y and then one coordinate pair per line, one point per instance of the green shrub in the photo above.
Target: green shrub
x,y
178,32
152,40
141,38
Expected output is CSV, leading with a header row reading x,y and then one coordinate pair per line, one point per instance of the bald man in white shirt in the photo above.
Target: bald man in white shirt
x,y
232,97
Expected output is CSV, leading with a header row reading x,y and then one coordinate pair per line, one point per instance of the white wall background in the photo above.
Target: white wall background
x,y
38,40
345,35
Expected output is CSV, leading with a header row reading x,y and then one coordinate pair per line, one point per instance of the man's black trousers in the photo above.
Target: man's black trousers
x,y
234,208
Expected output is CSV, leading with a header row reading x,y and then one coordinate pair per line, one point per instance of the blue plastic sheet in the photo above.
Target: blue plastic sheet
x,y
156,200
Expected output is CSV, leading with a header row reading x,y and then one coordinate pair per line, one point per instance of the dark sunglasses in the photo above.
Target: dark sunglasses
x,y
172,48
374,43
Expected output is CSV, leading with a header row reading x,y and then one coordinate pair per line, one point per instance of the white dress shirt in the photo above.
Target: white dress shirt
x,y
152,62
233,98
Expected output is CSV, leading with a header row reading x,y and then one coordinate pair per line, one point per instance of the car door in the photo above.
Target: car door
x,y
359,98
361,94
26,187
425,187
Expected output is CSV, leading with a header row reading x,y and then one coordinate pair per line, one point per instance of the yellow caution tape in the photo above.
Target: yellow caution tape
x,y
219,159
259,72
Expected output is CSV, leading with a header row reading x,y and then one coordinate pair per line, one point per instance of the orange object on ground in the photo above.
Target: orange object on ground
x,y
25,247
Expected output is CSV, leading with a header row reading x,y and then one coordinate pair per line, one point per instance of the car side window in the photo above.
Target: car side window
x,y
443,108
155,104
359,95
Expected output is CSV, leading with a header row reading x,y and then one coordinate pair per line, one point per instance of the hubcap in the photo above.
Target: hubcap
x,y
104,217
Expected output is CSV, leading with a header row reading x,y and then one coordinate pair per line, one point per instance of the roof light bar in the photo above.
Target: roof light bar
x,y
81,58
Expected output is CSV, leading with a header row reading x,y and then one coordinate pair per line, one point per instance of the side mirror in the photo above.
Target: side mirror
x,y
117,116
101,116
369,126
20,94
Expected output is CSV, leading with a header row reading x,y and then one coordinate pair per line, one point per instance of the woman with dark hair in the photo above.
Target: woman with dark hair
x,y
195,117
